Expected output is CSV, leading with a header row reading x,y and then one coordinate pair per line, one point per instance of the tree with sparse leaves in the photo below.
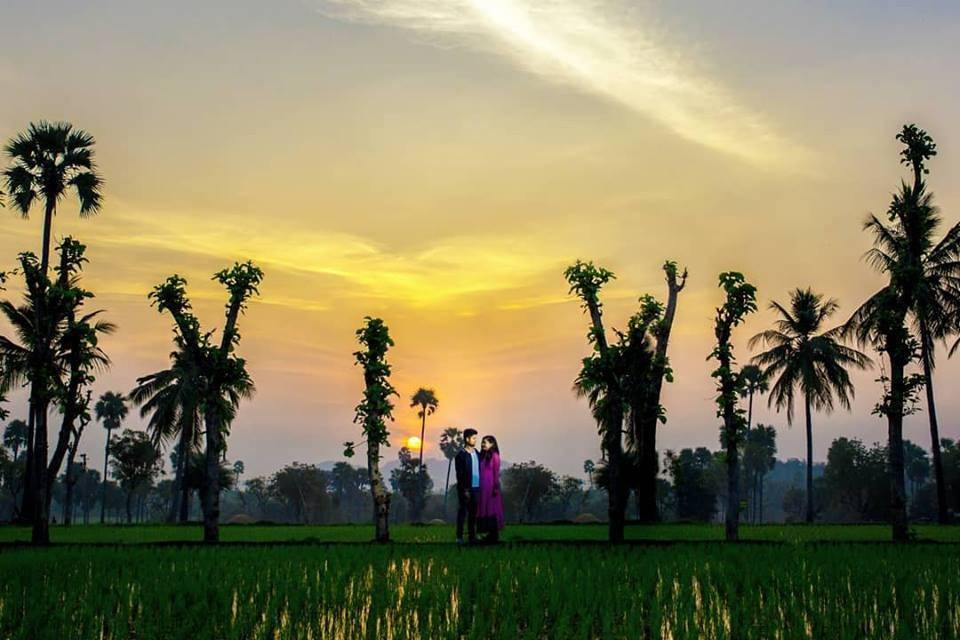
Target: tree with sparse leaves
x,y
373,412
740,300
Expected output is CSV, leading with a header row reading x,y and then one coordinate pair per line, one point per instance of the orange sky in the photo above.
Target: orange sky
x,y
439,164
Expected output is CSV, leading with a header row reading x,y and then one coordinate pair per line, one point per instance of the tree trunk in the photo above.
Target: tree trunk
x,y
732,519
41,520
617,492
129,512
70,481
649,462
898,510
211,488
27,505
185,497
943,516
732,438
103,493
612,441
806,407
51,204
418,505
381,497
761,497
177,480
446,488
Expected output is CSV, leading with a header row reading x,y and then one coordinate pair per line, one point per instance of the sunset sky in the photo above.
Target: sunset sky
x,y
439,162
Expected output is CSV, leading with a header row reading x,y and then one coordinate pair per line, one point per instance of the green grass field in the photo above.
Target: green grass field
x,y
124,534
824,581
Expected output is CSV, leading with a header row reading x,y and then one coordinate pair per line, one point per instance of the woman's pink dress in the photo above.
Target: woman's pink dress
x,y
490,502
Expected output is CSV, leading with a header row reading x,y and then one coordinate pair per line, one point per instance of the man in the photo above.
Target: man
x,y
468,486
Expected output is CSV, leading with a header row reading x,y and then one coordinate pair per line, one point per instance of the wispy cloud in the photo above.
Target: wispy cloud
x,y
599,46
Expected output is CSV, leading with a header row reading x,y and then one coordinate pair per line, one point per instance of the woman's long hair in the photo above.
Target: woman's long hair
x,y
495,449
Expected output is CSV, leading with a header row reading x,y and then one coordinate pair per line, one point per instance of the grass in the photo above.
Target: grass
x,y
140,534
546,581
690,590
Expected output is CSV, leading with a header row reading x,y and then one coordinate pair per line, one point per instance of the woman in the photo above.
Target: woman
x,y
490,501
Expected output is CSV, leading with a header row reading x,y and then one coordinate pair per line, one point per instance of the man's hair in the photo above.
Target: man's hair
x,y
469,432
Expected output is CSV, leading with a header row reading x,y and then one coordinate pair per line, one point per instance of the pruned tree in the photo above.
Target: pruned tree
x,y
373,412
739,301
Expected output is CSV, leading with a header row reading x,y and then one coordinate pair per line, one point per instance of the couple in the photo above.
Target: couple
x,y
478,488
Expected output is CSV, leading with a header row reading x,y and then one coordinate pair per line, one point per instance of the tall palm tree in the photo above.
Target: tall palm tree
x,y
753,382
46,162
111,409
935,269
924,288
426,400
806,359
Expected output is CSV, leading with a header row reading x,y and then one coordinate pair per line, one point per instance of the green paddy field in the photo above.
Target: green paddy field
x,y
545,581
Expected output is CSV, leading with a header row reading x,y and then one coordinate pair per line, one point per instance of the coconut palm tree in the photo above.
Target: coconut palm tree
x,y
935,266
923,288
46,162
806,359
171,400
15,437
111,409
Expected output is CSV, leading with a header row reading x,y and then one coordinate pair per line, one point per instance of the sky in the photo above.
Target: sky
x,y
438,163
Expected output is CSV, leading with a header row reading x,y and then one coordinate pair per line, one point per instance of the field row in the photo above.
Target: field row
x,y
438,592
123,534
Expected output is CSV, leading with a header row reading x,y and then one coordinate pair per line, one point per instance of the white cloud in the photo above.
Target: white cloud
x,y
598,46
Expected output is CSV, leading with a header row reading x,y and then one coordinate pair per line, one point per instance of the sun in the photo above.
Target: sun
x,y
413,443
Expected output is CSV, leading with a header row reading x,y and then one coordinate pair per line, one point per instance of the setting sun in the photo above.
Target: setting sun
x,y
413,443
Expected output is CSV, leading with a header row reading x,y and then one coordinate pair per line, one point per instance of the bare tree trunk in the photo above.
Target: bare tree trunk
x,y
943,516
898,510
103,493
806,407
41,521
446,488
27,504
211,485
732,518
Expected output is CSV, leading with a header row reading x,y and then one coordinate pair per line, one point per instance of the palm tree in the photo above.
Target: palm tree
x,y
924,284
171,399
15,436
45,163
589,468
451,441
426,400
753,380
936,267
111,409
805,358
